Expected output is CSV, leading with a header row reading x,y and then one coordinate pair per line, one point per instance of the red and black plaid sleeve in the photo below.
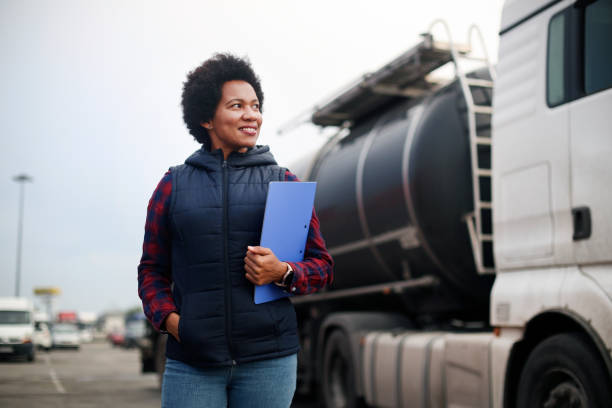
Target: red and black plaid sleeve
x,y
154,278
316,270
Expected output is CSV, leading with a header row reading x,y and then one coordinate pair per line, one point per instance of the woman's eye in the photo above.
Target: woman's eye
x,y
236,105
256,106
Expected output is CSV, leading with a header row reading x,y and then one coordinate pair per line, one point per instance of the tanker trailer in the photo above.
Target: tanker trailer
x,y
392,197
463,275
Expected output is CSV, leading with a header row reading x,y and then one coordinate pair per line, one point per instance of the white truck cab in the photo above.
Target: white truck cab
x,y
552,144
16,327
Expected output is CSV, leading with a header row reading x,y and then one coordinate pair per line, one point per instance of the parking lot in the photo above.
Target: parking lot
x,y
97,375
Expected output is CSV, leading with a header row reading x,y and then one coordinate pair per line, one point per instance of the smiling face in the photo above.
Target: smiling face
x,y
237,120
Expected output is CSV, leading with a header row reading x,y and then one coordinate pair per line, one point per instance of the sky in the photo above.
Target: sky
x,y
90,109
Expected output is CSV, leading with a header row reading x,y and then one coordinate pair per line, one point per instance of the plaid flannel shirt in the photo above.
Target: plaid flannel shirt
x,y
154,270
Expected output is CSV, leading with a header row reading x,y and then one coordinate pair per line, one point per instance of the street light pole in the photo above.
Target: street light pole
x,y
21,179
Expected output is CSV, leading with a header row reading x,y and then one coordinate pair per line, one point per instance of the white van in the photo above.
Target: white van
x,y
16,327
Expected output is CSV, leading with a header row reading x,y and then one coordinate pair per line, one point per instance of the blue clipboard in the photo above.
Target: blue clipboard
x,y
285,227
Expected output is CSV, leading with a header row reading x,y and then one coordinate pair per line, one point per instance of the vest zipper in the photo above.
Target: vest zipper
x,y
228,278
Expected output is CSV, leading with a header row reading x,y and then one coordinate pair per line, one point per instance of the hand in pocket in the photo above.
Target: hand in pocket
x,y
172,325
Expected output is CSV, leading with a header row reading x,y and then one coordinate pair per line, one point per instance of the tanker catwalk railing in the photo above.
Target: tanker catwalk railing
x,y
384,289
480,149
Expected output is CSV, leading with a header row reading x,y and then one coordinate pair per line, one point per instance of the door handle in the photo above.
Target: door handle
x,y
582,223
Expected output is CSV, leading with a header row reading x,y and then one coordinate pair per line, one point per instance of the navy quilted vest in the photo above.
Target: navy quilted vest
x,y
217,210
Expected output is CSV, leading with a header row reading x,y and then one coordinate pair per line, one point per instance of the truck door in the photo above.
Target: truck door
x,y
591,135
531,146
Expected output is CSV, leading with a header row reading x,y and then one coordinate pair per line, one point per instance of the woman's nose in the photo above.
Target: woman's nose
x,y
251,114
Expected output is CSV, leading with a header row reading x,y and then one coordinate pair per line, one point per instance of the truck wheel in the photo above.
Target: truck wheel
x,y
564,370
160,357
338,385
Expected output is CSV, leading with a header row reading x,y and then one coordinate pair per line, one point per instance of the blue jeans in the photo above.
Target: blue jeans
x,y
266,384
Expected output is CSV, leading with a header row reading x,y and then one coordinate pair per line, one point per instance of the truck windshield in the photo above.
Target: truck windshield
x,y
14,317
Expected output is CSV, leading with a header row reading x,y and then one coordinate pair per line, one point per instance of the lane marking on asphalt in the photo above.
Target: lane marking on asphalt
x,y
58,385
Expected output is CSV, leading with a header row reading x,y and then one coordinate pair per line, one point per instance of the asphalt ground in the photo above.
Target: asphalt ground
x,y
97,375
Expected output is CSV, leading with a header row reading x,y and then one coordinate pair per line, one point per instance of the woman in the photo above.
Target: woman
x,y
200,256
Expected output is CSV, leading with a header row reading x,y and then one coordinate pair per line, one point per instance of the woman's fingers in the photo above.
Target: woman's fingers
x,y
259,250
252,276
251,264
261,265
250,273
256,259
250,279
249,269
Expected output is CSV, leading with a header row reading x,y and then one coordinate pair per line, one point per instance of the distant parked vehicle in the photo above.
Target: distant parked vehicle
x,y
16,328
42,336
135,328
86,333
116,338
66,335
87,326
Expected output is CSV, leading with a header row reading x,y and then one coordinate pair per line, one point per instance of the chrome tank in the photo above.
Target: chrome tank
x,y
392,197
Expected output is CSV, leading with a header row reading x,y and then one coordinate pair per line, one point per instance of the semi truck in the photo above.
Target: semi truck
x,y
470,221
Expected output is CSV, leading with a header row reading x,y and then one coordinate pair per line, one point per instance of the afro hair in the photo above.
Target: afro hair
x,y
202,90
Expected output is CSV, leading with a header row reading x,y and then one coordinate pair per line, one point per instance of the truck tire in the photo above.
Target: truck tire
x,y
338,382
564,370
160,357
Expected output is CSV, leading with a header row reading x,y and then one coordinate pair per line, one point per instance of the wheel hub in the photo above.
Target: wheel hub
x,y
566,395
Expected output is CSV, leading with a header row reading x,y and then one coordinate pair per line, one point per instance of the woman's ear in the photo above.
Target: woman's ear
x,y
207,125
